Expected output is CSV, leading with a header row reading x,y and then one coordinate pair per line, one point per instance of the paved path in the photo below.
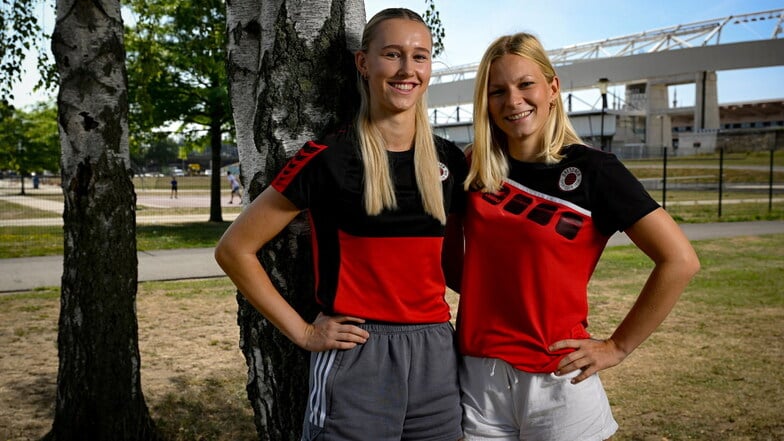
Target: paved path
x,y
29,273
150,199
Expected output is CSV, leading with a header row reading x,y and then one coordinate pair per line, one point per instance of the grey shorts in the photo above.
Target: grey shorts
x,y
400,385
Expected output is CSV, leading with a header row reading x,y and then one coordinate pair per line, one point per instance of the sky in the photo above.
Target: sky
x,y
472,25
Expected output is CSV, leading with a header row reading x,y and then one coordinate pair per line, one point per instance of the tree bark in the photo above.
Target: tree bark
x,y
216,212
99,394
217,115
291,77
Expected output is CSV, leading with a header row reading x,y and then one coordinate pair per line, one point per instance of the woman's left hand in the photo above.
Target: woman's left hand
x,y
589,355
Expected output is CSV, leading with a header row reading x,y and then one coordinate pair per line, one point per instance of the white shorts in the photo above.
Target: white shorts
x,y
503,403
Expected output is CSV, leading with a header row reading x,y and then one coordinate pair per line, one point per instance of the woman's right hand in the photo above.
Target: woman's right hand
x,y
334,332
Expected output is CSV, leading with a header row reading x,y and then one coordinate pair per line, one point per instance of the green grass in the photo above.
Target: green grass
x,y
712,159
40,241
729,213
30,241
48,240
697,175
191,235
11,211
709,372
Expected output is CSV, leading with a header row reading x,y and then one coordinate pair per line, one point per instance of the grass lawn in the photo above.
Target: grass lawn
x,y
46,241
710,372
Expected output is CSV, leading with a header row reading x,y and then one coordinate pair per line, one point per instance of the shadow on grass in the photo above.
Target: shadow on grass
x,y
34,398
215,408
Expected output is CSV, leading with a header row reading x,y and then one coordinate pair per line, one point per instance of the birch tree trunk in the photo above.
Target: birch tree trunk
x,y
291,77
99,395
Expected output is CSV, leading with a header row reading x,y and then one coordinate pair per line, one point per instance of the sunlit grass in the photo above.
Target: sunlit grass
x,y
709,372
48,240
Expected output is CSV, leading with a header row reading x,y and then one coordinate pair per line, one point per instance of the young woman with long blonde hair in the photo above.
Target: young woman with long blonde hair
x,y
378,194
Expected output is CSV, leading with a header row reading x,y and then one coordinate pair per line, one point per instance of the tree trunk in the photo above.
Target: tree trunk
x,y
216,211
216,144
291,77
99,394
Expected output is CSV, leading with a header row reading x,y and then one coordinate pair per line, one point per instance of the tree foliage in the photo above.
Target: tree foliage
x,y
29,140
160,151
433,19
21,32
177,76
176,65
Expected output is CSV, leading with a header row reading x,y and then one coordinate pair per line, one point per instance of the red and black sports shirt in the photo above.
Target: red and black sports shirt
x,y
385,267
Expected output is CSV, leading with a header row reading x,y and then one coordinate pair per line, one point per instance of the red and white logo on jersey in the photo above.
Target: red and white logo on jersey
x,y
571,178
444,171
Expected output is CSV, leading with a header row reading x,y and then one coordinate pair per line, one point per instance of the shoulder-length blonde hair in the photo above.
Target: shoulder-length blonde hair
x,y
378,185
489,164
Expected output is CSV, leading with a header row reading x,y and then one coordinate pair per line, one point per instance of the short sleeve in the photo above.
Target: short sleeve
x,y
302,178
620,199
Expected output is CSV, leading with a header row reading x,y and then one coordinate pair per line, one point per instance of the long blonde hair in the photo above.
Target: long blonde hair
x,y
378,185
489,164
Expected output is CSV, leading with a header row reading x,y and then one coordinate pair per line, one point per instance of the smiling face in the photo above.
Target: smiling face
x,y
397,66
518,101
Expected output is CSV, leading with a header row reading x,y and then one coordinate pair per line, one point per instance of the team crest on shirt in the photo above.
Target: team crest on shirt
x,y
444,171
571,178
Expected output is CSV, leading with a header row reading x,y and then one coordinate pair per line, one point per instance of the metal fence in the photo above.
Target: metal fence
x,y
724,185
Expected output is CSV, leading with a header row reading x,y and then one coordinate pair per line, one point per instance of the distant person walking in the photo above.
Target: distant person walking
x,y
234,184
173,188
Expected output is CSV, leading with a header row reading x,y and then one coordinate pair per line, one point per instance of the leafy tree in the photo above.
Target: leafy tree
x,y
433,19
99,393
20,32
29,140
159,150
177,75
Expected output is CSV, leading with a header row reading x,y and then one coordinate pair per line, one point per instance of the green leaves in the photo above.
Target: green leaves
x,y
29,140
433,19
20,31
177,65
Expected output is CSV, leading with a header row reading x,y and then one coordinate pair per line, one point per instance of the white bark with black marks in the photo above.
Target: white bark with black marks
x,y
291,77
99,394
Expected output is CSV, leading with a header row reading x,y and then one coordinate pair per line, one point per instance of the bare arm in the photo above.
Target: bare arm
x,y
660,238
236,255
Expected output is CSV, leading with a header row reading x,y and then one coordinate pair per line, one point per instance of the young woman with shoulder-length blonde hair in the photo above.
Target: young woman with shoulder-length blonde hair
x,y
540,210
488,151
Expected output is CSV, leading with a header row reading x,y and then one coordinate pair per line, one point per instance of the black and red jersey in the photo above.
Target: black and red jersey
x,y
531,249
385,267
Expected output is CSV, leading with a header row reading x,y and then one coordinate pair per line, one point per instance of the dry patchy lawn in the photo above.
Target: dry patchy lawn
x,y
712,371
193,373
